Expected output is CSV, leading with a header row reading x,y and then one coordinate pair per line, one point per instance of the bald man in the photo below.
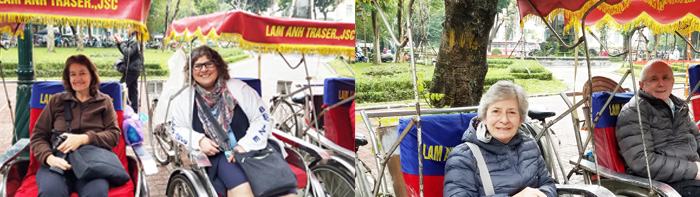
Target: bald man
x,y
671,135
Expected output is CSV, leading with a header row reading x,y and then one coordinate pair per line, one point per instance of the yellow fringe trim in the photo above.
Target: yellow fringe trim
x,y
578,14
8,29
659,4
686,25
45,19
263,47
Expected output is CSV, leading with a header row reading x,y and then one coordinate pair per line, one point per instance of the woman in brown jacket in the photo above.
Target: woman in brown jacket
x,y
94,122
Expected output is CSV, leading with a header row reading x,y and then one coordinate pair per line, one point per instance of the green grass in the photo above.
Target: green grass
x,y
392,83
340,68
535,86
49,65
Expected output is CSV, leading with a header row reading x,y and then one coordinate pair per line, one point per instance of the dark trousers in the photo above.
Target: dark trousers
x,y
687,187
131,80
51,183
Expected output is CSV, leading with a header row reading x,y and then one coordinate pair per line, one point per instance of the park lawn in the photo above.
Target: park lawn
x,y
106,56
393,82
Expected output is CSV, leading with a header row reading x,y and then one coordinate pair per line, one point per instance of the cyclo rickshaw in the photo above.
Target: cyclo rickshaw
x,y
18,168
320,172
603,167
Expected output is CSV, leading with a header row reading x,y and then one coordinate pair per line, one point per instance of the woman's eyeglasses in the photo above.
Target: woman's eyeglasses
x,y
198,67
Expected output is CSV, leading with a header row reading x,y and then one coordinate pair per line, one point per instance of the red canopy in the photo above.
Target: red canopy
x,y
104,14
658,15
268,34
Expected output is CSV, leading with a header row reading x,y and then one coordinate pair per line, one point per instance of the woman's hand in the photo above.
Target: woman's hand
x,y
73,141
58,162
237,149
208,146
528,191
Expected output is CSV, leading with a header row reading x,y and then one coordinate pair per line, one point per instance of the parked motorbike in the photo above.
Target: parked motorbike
x,y
359,57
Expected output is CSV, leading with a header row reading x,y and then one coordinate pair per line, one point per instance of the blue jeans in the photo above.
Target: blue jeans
x,y
51,183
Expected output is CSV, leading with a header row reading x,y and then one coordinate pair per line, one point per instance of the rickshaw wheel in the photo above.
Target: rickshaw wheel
x,y
180,185
286,120
334,181
161,143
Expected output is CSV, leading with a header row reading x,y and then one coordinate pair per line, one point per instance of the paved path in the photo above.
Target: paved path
x,y
563,129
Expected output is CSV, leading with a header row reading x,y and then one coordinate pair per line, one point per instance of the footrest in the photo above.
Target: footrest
x,y
657,186
149,165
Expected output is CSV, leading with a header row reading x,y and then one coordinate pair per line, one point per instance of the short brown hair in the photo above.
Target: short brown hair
x,y
204,50
82,60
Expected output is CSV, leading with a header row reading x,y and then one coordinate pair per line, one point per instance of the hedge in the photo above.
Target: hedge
x,y
541,76
385,70
674,67
527,66
496,52
499,61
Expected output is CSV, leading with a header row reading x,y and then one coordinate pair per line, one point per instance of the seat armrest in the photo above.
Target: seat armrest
x,y
584,190
14,151
659,187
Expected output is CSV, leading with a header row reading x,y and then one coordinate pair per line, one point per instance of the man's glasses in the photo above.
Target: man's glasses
x,y
198,67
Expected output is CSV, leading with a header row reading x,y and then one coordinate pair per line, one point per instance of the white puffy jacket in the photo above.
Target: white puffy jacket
x,y
260,121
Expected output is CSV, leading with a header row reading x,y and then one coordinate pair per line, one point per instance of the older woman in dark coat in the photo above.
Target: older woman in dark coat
x,y
513,159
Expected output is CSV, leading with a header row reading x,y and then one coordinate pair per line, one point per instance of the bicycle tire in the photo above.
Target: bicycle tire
x,y
283,112
180,186
157,144
335,181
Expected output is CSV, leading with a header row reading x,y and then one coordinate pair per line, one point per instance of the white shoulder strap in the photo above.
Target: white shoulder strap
x,y
483,170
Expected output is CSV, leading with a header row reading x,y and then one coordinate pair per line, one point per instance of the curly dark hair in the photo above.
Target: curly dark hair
x,y
214,56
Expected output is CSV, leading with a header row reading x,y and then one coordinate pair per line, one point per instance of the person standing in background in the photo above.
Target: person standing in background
x,y
133,59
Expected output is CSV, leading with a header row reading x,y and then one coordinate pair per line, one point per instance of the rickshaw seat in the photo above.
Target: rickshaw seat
x,y
694,78
605,141
441,133
337,122
292,160
611,165
537,114
41,93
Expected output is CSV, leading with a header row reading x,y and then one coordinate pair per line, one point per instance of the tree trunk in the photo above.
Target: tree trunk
x,y
50,39
375,24
494,31
167,13
399,20
177,9
461,65
78,36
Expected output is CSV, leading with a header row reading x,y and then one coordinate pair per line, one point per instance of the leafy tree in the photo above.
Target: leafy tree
x,y
502,4
284,5
325,6
207,6
254,6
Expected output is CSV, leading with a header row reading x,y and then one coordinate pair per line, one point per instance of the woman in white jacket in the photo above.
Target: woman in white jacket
x,y
239,111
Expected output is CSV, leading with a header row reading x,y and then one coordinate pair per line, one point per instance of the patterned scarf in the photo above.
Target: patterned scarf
x,y
222,104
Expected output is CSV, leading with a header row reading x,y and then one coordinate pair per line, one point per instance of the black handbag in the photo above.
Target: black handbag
x,y
92,162
267,172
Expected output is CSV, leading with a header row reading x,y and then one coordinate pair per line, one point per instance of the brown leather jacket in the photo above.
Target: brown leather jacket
x,y
95,117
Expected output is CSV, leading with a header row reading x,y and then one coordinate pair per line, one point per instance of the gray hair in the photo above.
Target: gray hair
x,y
502,90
